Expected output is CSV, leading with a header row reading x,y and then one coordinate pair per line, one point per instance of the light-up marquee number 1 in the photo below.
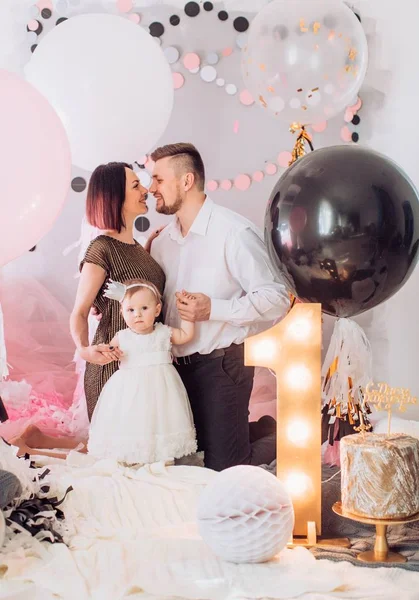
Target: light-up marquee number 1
x,y
292,349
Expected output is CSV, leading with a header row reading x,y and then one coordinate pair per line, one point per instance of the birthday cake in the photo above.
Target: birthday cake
x,y
380,475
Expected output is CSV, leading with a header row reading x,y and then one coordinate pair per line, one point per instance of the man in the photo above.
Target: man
x,y
218,274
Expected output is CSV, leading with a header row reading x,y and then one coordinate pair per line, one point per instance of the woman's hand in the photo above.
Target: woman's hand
x,y
152,237
94,312
100,354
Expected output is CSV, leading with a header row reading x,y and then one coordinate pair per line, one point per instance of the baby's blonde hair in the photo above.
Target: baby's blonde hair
x,y
141,282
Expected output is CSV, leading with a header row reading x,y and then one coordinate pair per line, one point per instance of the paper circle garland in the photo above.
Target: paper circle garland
x,y
245,515
208,73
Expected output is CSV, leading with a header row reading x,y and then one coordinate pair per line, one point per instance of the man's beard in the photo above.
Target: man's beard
x,y
170,210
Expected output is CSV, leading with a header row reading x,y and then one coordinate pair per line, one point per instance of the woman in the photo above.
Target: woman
x,y
115,198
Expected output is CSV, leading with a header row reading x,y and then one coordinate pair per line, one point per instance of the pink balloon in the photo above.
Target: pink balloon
x,y
35,166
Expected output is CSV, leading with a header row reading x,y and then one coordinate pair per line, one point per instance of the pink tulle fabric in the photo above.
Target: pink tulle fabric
x,y
45,384
42,376
263,399
332,455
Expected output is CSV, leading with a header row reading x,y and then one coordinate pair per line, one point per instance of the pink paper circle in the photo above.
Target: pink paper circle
x,y
270,169
124,6
357,105
33,25
258,176
284,158
135,18
319,127
345,134
143,159
41,4
191,61
246,98
178,80
227,51
226,185
212,185
349,115
242,182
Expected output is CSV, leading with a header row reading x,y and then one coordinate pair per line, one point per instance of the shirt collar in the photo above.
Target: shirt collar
x,y
200,224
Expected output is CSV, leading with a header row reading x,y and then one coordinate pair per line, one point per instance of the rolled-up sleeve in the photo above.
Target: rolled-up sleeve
x,y
265,296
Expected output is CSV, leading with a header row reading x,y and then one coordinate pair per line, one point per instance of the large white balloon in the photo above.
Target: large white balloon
x,y
109,82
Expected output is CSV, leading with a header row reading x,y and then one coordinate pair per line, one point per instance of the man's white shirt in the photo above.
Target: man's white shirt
x,y
223,256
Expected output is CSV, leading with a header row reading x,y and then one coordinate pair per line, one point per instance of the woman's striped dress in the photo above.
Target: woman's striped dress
x,y
121,261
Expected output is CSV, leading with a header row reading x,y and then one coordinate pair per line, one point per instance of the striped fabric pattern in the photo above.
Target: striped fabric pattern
x,y
121,261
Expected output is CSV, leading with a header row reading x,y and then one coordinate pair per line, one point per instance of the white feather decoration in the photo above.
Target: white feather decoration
x,y
350,346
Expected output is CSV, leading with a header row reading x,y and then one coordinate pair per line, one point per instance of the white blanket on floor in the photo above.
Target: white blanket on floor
x,y
133,536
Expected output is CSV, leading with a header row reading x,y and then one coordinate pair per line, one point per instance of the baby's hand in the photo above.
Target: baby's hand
x,y
193,307
185,295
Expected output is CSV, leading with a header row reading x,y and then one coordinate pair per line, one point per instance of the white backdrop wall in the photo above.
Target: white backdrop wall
x,y
236,139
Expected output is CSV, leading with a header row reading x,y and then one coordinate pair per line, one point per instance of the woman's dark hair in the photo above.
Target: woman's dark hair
x,y
106,195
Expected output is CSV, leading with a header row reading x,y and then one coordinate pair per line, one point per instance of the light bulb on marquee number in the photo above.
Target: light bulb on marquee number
x,y
298,432
298,377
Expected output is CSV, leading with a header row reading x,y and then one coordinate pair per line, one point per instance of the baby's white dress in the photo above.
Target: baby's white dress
x,y
143,414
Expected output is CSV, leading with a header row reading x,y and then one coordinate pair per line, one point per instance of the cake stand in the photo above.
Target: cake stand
x,y
381,552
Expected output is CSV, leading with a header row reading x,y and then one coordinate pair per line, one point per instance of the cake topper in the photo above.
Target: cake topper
x,y
384,397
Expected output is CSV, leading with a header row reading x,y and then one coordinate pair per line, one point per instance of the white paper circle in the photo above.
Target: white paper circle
x,y
212,58
276,104
208,73
231,89
172,55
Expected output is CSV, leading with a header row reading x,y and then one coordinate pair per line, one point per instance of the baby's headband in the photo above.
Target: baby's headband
x,y
116,291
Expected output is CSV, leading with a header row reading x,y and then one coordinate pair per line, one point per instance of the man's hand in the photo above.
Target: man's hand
x,y
193,307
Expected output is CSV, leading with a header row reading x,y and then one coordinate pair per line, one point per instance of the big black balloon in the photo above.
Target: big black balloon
x,y
342,226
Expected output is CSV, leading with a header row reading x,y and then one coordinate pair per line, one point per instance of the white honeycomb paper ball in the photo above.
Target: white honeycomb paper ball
x,y
245,515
